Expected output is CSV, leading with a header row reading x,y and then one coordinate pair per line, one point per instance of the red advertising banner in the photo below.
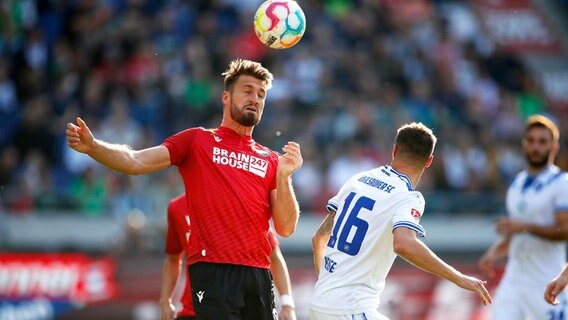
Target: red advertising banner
x,y
517,25
62,277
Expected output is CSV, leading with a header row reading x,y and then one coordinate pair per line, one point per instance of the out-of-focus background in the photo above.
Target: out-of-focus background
x,y
78,241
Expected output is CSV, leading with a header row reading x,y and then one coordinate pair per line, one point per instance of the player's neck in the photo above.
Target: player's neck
x,y
532,170
411,172
237,127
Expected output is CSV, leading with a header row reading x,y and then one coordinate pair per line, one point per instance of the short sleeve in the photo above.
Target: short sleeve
x,y
561,193
179,144
409,212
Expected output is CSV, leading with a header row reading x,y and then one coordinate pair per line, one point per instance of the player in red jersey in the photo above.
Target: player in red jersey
x,y
178,232
236,186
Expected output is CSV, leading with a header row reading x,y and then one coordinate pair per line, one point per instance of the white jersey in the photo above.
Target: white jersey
x,y
535,200
360,252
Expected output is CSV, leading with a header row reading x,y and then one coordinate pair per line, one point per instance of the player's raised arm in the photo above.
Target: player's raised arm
x,y
115,156
285,208
407,246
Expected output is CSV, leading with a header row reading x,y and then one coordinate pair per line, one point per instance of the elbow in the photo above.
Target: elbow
x,y
315,242
319,241
131,171
401,248
285,231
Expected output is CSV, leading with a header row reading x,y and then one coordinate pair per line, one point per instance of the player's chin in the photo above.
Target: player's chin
x,y
249,119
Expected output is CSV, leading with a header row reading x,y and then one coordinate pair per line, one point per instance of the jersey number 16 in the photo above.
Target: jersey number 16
x,y
343,230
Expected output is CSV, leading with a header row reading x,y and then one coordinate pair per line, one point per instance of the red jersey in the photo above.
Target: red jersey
x,y
176,243
228,179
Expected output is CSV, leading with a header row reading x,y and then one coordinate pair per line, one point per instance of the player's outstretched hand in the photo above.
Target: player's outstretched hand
x,y
477,286
291,160
79,137
554,288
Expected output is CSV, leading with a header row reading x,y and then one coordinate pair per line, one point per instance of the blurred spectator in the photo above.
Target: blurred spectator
x,y
138,71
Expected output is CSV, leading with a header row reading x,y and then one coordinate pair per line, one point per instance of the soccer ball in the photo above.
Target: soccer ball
x,y
279,24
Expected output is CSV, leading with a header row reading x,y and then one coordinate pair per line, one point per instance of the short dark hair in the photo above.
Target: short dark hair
x,y
239,67
541,121
415,142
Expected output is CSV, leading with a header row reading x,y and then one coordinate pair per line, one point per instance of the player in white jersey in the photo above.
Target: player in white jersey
x,y
534,233
375,217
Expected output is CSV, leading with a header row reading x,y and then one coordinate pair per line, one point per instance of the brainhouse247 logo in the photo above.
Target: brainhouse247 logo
x,y
241,161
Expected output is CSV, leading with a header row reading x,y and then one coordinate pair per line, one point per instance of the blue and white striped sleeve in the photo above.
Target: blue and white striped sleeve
x,y
408,214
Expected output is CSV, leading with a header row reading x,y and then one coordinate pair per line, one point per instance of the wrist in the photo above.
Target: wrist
x,y
165,300
93,147
287,300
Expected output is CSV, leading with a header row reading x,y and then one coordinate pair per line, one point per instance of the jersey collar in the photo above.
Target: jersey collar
x,y
232,136
402,177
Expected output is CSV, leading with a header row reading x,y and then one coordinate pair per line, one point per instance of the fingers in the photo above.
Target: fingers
x,y
72,133
81,123
484,293
551,293
292,148
293,153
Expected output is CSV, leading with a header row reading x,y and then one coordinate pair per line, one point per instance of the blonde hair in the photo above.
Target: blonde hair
x,y
541,121
239,67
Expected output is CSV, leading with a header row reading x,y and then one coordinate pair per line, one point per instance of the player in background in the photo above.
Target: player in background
x,y
556,286
178,232
375,217
236,185
533,236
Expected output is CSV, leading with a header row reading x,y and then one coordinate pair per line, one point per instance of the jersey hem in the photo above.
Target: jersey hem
x,y
253,265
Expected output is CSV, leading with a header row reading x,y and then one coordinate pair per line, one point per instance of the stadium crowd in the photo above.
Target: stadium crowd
x,y
140,70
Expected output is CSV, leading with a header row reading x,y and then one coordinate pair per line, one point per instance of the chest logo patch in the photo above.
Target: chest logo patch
x,y
240,161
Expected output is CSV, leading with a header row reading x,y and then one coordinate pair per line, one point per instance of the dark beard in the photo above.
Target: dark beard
x,y
247,119
539,162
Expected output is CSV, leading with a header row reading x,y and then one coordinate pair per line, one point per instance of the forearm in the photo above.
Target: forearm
x,y
321,238
500,249
553,233
281,276
419,255
170,273
318,246
286,210
123,159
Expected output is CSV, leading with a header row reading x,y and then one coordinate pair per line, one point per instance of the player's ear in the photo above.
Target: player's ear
x,y
226,97
429,161
555,149
394,150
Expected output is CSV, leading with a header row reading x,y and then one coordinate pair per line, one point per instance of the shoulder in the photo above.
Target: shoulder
x,y
187,135
199,131
177,205
559,177
414,197
518,177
